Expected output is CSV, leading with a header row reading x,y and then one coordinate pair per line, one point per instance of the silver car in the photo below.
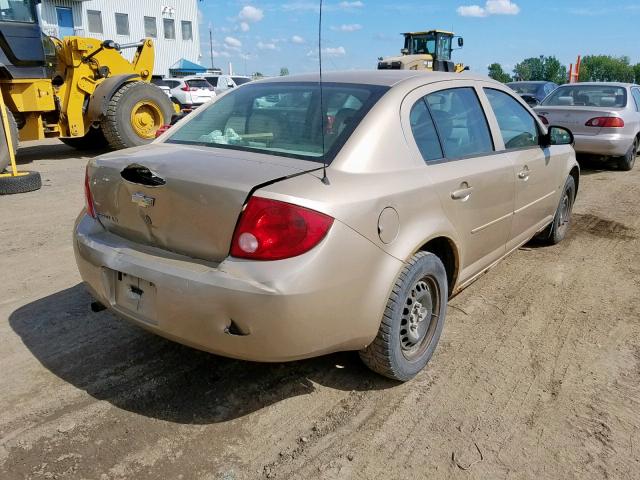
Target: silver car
x,y
603,117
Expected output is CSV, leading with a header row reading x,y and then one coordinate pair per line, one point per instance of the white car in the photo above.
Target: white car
x,y
162,85
222,83
190,92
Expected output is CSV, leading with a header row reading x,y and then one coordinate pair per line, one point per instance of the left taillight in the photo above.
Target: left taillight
x,y
162,129
88,197
273,230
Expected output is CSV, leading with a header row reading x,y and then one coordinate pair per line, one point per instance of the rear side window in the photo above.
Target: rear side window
x,y
424,132
636,97
460,121
518,128
212,80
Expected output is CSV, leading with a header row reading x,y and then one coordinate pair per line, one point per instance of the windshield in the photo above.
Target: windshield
x,y
241,80
525,88
16,11
282,119
588,96
421,44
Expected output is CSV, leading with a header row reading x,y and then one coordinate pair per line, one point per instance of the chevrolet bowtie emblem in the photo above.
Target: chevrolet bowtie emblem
x,y
142,200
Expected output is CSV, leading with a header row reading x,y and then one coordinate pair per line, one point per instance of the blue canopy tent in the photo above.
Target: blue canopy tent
x,y
184,67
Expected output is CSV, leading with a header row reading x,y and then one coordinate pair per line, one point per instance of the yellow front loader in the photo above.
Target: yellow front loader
x,y
81,90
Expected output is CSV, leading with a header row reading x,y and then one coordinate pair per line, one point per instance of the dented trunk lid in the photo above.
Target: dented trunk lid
x,y
185,199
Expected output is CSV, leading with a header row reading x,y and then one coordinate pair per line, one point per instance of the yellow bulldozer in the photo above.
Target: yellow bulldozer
x,y
80,90
429,50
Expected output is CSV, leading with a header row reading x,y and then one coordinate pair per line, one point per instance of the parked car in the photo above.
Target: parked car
x,y
191,92
603,117
222,83
162,84
251,231
533,92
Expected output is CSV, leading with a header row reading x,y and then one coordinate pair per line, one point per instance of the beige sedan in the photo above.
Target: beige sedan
x,y
285,220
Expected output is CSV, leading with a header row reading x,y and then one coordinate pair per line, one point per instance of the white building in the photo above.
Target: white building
x,y
172,24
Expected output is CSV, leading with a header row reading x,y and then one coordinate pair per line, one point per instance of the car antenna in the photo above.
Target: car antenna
x,y
325,179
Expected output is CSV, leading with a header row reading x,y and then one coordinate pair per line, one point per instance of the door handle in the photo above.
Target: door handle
x,y
462,194
524,173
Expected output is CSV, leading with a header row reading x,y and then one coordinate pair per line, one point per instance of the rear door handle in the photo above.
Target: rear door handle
x,y
463,193
524,173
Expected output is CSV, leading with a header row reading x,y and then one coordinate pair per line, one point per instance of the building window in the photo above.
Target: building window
x,y
187,32
169,28
150,27
122,24
94,20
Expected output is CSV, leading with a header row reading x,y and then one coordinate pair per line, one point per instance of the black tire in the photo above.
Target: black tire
x,y
117,125
627,162
21,184
394,353
93,140
557,230
13,127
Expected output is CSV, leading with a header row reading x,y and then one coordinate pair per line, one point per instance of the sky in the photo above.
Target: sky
x,y
264,36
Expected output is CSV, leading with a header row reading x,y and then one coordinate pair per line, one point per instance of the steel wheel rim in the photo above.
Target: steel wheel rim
x,y
146,119
419,317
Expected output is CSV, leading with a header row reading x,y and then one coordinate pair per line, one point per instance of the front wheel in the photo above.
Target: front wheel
x,y
413,320
557,230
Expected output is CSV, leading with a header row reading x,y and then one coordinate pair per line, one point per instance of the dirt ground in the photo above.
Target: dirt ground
x,y
537,374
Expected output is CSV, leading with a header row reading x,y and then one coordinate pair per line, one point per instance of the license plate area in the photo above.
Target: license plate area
x,y
135,296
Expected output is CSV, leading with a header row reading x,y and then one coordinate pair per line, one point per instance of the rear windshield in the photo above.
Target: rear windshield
x,y
198,83
282,119
525,88
588,96
241,80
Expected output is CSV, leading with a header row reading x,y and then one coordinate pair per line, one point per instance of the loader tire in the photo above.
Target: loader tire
x,y
20,184
134,114
4,156
93,140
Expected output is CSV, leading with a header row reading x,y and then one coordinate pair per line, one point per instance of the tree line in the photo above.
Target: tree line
x,y
594,68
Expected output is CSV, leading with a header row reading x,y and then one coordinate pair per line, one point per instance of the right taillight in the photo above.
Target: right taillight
x,y
88,197
543,119
273,230
605,122
186,88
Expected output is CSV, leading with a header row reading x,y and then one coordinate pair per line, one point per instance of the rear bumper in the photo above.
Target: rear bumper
x,y
320,302
613,144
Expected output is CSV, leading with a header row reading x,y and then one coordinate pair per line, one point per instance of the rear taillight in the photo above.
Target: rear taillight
x,y
162,129
273,230
605,122
87,195
187,88
543,119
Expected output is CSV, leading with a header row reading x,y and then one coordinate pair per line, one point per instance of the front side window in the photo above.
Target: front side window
x,y
169,28
150,27
187,31
16,11
122,24
282,119
588,96
518,127
636,96
424,132
461,123
240,80
94,18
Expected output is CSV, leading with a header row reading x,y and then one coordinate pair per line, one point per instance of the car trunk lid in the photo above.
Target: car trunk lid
x,y
575,118
185,199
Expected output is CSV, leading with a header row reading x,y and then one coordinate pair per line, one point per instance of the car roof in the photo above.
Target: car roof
x,y
387,78
600,84
531,82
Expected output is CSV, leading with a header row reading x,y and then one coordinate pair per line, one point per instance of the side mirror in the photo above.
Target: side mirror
x,y
404,51
460,42
557,136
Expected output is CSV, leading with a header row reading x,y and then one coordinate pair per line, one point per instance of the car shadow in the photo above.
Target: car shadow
x,y
140,372
590,166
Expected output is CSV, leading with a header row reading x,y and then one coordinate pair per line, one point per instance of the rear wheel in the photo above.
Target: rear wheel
x,y
13,128
93,140
134,114
412,321
627,162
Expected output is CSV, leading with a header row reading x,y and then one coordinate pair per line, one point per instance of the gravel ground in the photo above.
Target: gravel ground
x,y
537,374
